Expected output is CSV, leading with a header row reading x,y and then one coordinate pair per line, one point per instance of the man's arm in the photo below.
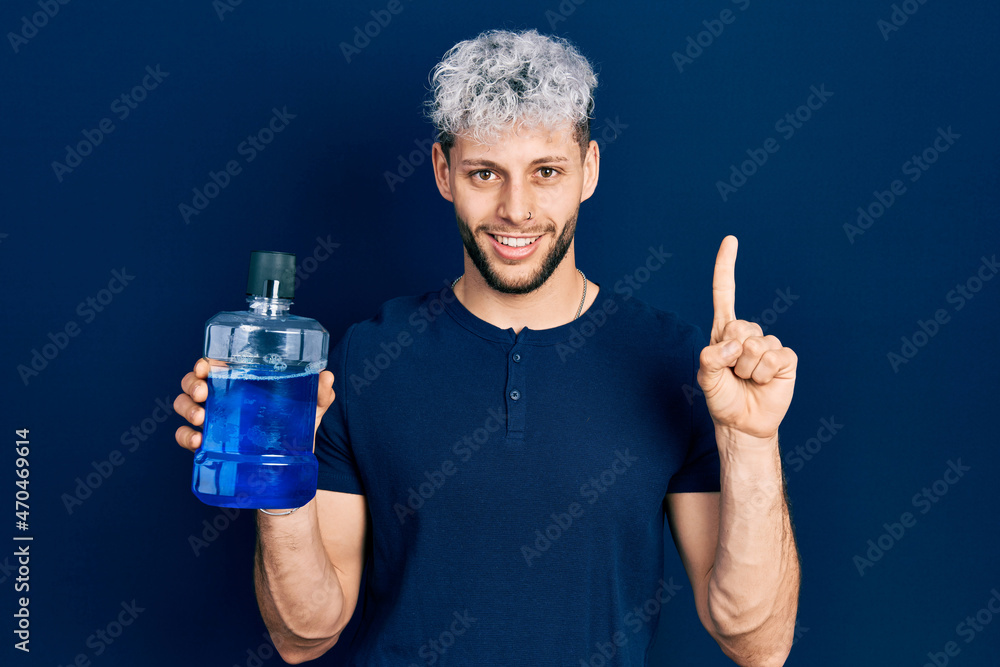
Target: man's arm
x,y
307,567
740,555
307,572
746,575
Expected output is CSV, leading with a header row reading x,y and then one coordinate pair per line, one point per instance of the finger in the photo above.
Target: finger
x,y
724,284
188,438
185,407
740,330
195,387
325,396
715,360
780,363
754,348
201,368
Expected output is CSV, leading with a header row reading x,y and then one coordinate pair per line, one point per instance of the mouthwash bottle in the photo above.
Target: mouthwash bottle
x,y
260,416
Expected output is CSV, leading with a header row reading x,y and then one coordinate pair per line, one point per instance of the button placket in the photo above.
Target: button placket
x,y
516,392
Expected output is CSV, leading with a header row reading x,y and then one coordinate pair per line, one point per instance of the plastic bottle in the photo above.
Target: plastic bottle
x,y
260,415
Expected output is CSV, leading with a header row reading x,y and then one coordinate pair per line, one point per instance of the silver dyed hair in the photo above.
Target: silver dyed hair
x,y
483,86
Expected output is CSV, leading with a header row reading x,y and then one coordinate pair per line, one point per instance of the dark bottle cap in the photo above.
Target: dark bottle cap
x,y
266,268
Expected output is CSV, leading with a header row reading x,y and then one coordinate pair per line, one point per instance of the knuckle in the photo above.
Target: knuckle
x,y
769,360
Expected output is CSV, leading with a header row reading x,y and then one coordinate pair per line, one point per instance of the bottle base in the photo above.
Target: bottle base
x,y
268,482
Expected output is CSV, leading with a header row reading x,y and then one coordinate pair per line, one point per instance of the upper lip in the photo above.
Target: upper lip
x,y
515,236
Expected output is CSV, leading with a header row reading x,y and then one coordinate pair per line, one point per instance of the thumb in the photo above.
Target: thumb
x,y
715,360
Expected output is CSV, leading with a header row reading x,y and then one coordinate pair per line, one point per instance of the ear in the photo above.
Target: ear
x,y
442,173
591,170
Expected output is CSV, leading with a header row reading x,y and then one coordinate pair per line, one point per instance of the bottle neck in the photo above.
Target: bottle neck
x,y
264,306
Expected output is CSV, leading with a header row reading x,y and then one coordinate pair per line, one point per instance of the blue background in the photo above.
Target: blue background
x,y
669,134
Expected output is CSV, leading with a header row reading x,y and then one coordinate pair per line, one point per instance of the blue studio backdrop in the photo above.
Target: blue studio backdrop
x,y
852,147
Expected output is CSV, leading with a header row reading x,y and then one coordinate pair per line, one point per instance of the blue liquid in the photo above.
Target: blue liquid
x,y
257,442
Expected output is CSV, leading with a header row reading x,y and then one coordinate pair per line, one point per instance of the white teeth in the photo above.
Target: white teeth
x,y
515,242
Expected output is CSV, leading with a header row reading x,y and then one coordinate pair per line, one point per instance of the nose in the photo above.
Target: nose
x,y
516,205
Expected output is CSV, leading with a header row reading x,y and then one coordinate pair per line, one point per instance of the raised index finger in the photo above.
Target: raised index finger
x,y
724,284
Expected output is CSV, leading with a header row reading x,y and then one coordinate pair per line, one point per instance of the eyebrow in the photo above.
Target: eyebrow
x,y
480,162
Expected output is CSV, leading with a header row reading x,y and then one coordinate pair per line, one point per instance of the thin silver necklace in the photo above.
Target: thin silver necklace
x,y
583,299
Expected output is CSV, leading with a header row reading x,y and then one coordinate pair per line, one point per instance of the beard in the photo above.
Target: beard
x,y
532,282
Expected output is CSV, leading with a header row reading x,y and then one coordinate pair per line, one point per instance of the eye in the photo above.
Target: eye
x,y
547,172
484,175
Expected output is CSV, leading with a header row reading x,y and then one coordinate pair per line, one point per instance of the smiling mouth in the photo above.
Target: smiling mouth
x,y
515,241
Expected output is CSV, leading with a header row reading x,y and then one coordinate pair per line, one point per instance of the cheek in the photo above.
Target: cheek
x,y
558,202
474,205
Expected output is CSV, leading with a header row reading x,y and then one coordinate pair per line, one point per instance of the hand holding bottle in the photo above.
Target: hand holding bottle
x,y
189,404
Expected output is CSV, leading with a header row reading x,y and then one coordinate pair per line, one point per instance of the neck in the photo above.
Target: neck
x,y
553,304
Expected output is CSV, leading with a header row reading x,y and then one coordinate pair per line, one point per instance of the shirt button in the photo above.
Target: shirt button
x,y
515,394
516,357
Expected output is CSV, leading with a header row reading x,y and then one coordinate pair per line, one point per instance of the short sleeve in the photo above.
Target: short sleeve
x,y
700,470
338,470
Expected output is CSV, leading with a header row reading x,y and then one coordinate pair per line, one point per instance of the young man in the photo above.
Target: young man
x,y
524,446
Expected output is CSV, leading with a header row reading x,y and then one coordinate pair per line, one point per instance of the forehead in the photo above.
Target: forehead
x,y
518,145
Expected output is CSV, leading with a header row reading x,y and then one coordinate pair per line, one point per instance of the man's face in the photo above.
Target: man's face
x,y
495,186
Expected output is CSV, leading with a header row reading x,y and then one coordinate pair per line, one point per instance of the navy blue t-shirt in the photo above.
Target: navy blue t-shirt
x,y
515,482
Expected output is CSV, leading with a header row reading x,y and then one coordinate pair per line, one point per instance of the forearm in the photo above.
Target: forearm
x,y
298,591
753,586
